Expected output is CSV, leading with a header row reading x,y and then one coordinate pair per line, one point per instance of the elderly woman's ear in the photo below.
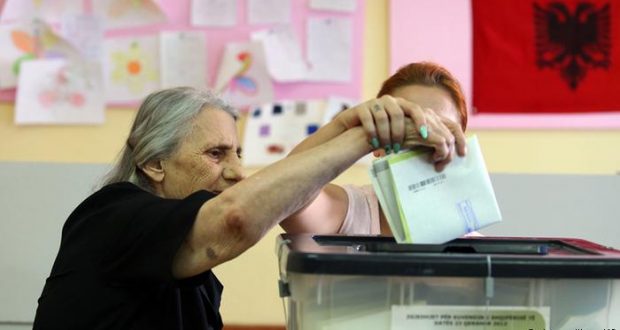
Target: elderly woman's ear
x,y
154,170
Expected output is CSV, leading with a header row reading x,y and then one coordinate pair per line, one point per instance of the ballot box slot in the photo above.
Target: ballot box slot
x,y
457,246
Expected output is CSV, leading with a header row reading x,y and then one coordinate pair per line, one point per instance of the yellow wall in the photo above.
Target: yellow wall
x,y
251,288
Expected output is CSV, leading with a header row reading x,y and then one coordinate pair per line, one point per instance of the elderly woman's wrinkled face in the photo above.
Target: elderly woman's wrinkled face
x,y
208,158
432,97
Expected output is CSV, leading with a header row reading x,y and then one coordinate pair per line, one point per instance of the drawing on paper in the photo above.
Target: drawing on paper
x,y
241,82
274,129
133,68
122,7
57,91
129,13
48,10
242,77
24,42
62,90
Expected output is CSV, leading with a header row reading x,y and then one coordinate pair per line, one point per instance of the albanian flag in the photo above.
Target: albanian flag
x,y
546,56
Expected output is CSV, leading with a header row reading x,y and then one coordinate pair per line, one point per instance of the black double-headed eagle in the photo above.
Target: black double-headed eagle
x,y
572,42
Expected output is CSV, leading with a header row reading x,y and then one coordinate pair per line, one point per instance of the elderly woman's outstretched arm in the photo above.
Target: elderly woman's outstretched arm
x,y
237,218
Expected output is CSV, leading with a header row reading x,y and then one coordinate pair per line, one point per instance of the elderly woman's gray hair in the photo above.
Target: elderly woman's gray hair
x,y
163,120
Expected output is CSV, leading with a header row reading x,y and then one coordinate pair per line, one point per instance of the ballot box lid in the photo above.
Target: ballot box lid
x,y
513,257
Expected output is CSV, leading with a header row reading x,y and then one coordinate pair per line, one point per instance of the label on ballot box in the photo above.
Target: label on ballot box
x,y
405,317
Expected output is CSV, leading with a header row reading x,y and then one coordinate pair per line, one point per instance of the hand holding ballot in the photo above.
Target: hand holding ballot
x,y
425,206
392,123
420,107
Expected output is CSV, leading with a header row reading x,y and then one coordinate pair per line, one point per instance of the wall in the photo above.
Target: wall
x,y
251,289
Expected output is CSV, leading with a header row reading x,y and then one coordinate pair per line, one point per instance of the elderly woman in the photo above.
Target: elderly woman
x,y
138,253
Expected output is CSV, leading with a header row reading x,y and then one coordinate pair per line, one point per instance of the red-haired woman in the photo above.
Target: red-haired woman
x,y
422,104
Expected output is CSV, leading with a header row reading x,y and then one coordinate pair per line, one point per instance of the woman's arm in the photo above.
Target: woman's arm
x,y
383,120
236,219
326,212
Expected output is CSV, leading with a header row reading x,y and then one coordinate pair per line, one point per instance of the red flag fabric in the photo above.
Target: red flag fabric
x,y
546,56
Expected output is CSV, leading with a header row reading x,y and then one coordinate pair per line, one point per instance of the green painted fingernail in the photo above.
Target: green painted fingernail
x,y
396,147
388,149
374,143
424,132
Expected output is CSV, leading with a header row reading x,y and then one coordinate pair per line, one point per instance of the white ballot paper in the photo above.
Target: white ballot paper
x,y
424,206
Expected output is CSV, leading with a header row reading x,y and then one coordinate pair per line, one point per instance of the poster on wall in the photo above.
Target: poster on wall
x,y
183,57
21,42
274,129
47,10
329,49
85,33
131,67
94,28
218,13
57,91
285,60
124,14
269,11
242,78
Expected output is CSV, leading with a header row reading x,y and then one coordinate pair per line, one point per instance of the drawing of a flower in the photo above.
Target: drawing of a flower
x,y
133,68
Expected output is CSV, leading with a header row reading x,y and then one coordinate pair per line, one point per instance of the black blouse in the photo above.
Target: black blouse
x,y
114,266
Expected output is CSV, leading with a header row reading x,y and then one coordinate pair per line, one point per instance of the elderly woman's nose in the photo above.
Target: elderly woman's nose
x,y
233,171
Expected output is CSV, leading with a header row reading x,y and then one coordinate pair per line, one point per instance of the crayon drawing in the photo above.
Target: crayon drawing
x,y
56,91
242,78
241,82
273,130
132,68
22,42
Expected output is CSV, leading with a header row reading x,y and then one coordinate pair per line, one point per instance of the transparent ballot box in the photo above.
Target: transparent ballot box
x,y
499,283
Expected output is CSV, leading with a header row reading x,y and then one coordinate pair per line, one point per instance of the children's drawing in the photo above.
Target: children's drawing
x,y
129,13
273,130
61,91
242,78
47,10
131,68
57,91
241,82
23,42
86,34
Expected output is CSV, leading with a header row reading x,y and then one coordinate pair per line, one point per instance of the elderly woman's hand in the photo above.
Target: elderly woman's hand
x,y
444,137
391,123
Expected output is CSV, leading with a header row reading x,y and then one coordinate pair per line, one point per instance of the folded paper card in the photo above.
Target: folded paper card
x,y
429,207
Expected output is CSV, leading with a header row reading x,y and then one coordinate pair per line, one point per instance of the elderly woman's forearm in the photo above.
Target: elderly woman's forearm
x,y
324,134
235,220
284,187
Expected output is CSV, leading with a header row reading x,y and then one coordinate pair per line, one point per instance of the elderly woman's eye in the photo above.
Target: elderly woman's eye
x,y
215,153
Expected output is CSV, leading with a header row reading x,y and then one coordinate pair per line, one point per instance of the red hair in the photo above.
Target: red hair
x,y
427,74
